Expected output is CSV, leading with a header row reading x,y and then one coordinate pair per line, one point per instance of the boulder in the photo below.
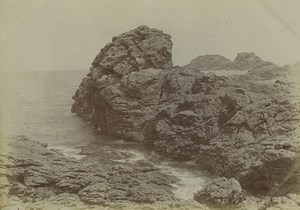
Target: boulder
x,y
221,191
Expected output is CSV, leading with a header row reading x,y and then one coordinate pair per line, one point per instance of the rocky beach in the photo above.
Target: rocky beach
x,y
241,131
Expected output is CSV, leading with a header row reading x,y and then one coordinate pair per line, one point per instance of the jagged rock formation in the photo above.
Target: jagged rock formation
x,y
209,62
232,127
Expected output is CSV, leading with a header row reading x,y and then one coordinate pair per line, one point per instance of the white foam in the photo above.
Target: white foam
x,y
68,151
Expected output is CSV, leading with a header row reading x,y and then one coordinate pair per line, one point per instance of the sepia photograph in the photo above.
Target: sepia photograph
x,y
149,104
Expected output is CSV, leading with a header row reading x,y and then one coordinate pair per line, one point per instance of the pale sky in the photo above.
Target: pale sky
x,y
67,34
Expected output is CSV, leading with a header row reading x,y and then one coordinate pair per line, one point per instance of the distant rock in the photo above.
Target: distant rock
x,y
209,62
221,192
257,68
245,61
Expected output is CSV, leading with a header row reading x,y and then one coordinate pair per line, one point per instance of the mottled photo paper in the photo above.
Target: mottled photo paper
x,y
149,104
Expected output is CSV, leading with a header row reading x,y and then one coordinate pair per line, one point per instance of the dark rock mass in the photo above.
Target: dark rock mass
x,y
231,126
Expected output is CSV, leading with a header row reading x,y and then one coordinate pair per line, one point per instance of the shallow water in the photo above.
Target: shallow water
x,y
37,105
190,180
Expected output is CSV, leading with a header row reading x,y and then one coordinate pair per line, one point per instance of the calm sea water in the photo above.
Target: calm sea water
x,y
37,105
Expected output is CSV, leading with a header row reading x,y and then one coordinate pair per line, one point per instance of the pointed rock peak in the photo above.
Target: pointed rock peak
x,y
137,49
249,61
247,56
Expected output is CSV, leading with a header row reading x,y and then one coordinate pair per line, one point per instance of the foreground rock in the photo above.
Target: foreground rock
x,y
221,192
34,177
231,126
32,173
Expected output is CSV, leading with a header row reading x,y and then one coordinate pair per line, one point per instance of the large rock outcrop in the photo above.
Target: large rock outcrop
x,y
230,126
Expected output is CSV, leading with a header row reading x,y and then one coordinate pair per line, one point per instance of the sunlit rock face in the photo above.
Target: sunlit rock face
x,y
134,50
231,126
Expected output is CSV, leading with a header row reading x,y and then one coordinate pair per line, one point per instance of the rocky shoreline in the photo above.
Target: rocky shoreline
x,y
35,177
242,129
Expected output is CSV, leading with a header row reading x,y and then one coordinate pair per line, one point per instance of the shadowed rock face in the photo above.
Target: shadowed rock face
x,y
233,127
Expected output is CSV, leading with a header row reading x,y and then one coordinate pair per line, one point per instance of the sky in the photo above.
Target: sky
x,y
39,35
